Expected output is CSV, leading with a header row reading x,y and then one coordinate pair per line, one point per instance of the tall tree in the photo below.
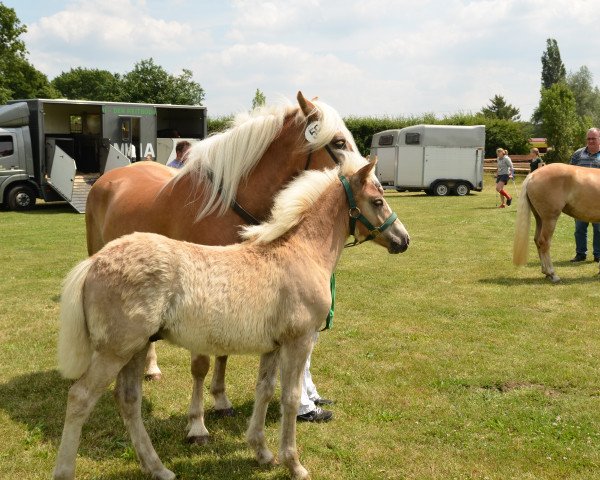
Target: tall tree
x,y
587,96
18,78
560,123
88,84
151,83
498,108
553,69
259,99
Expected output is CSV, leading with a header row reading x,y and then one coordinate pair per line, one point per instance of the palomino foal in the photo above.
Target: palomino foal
x,y
266,296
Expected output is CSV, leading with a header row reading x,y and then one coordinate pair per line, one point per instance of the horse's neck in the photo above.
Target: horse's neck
x,y
281,162
322,233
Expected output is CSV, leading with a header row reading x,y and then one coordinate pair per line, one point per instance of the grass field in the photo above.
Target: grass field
x,y
446,362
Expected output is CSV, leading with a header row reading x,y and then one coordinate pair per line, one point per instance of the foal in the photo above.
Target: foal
x,y
266,296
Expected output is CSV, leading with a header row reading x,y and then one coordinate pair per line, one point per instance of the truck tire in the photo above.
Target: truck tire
x,y
21,197
441,189
462,189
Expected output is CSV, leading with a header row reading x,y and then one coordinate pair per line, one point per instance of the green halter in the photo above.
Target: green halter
x,y
355,214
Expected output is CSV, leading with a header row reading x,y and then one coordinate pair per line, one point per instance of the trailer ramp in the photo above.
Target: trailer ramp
x,y
74,187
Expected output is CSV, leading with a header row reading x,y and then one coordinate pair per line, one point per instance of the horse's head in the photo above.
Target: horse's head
x,y
371,218
325,138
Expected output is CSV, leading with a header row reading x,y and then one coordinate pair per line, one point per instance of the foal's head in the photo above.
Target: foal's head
x,y
371,218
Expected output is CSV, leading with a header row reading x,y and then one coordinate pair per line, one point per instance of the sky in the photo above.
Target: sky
x,y
364,58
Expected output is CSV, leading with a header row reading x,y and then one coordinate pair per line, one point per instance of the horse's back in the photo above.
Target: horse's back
x,y
123,201
560,187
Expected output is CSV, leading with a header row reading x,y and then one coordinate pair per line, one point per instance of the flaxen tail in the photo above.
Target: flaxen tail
x,y
521,241
74,346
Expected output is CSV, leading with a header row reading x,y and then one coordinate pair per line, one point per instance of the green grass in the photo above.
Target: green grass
x,y
446,362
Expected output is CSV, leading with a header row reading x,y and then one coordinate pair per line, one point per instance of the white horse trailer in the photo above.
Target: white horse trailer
x,y
439,159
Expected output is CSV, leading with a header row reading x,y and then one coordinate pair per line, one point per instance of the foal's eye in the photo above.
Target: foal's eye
x,y
339,144
378,202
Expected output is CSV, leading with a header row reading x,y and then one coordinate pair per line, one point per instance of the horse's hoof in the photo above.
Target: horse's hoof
x,y
225,412
198,440
153,377
301,474
266,459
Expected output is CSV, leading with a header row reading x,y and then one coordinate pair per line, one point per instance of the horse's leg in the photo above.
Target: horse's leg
x,y
197,432
83,395
152,370
223,406
293,360
543,238
265,387
128,393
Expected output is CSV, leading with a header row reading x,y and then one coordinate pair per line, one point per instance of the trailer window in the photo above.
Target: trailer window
x,y
6,146
386,140
413,138
76,123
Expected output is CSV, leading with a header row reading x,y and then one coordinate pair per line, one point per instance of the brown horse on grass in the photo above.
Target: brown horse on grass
x,y
228,180
546,193
266,296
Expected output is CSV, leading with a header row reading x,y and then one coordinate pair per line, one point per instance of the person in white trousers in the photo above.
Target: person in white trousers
x,y
310,401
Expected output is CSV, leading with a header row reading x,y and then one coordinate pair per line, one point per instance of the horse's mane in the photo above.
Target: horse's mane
x,y
225,159
293,200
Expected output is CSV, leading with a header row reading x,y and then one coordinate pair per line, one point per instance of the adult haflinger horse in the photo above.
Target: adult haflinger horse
x,y
546,193
229,180
267,296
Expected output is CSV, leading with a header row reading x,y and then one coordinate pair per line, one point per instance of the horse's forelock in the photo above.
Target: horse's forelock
x,y
330,123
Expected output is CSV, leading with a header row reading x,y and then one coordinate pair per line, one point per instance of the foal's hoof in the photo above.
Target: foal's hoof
x,y
153,377
198,440
225,412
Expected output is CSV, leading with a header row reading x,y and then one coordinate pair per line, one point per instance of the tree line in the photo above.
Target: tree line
x,y
569,103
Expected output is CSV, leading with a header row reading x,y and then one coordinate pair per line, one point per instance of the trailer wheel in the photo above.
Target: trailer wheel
x,y
21,197
441,189
462,189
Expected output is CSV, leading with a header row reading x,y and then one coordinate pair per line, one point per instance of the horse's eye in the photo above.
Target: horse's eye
x,y
378,202
339,144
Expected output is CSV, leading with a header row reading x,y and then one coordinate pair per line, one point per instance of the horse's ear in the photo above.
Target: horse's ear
x,y
307,107
365,171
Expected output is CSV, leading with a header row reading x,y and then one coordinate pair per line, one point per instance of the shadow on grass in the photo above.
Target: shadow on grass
x,y
542,280
51,207
38,401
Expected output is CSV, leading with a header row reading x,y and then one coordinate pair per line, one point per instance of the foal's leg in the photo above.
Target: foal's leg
x,y
128,393
223,406
293,360
83,395
197,432
265,387
152,370
543,238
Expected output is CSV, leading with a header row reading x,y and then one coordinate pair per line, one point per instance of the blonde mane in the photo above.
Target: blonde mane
x,y
302,192
227,158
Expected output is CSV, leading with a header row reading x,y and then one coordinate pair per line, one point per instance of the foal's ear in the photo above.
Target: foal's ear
x,y
308,108
364,172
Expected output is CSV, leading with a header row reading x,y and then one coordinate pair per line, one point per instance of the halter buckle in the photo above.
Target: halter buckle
x,y
354,212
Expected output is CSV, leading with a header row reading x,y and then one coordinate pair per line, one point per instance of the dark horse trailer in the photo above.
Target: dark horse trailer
x,y
56,149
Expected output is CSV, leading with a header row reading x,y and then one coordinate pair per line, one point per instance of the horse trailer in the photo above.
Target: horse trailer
x,y
439,159
56,149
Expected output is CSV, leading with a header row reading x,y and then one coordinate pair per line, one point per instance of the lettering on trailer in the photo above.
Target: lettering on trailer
x,y
129,110
124,149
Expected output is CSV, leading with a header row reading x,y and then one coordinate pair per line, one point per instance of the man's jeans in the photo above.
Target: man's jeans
x,y
581,229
